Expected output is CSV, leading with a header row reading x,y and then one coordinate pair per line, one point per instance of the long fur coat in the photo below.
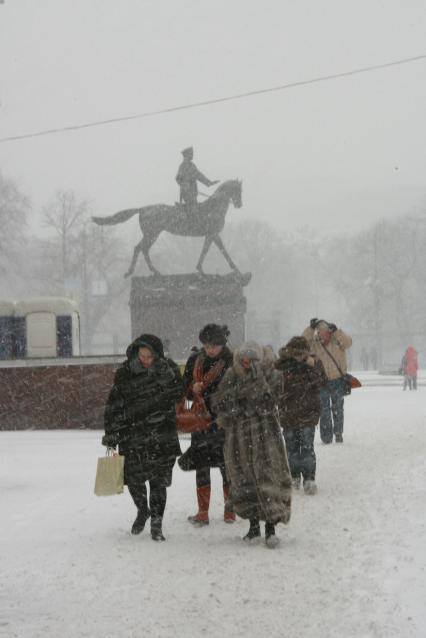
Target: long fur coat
x,y
254,451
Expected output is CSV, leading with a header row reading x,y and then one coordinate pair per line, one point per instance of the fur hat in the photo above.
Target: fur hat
x,y
187,152
214,334
323,325
295,347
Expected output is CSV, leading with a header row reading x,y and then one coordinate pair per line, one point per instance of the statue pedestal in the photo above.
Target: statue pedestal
x,y
176,307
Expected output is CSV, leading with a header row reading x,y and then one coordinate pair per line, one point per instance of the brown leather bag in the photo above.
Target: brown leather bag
x,y
196,418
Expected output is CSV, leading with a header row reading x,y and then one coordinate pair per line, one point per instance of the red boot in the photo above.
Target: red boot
x,y
201,518
228,515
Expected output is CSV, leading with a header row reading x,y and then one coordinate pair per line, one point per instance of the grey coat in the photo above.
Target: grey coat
x,y
254,451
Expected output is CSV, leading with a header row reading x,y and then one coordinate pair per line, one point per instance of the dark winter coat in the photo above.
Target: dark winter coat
x,y
300,399
140,411
255,457
206,448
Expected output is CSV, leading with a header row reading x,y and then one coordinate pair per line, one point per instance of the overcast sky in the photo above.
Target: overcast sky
x,y
335,155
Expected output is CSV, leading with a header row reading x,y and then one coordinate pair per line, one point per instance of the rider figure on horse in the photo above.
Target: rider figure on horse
x,y
187,178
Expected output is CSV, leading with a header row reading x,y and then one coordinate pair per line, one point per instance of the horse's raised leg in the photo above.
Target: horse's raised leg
x,y
147,242
207,243
136,252
219,243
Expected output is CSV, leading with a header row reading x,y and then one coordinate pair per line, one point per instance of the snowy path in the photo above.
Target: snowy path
x,y
351,562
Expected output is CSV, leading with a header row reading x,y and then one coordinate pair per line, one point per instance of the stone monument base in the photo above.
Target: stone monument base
x,y
176,307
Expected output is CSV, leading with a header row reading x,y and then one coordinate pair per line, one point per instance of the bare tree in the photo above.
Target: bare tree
x,y
102,261
65,214
14,207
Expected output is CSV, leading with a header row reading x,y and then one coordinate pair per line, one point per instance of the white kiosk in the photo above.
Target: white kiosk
x,y
47,327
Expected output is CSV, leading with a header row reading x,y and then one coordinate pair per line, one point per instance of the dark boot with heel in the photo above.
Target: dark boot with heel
x,y
270,539
140,521
157,530
254,531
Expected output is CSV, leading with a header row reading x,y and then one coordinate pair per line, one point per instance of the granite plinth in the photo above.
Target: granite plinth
x,y
176,307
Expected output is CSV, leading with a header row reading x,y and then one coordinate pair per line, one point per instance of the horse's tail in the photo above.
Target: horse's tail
x,y
117,218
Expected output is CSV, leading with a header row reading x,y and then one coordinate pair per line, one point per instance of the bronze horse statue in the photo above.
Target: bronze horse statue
x,y
204,220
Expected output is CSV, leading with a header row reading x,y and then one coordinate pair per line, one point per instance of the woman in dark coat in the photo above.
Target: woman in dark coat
x,y
140,418
300,408
203,372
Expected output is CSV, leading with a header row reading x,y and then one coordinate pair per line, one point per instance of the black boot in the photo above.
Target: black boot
x,y
254,531
156,530
140,520
270,539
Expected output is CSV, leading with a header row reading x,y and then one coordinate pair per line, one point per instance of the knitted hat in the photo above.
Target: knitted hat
x,y
214,334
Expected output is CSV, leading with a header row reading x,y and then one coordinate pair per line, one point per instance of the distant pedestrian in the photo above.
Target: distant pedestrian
x,y
256,462
374,358
329,344
300,407
410,366
365,358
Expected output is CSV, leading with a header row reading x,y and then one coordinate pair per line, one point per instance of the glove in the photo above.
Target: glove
x,y
110,440
332,327
313,323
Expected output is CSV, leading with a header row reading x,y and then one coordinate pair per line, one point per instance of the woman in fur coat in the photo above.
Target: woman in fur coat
x,y
254,451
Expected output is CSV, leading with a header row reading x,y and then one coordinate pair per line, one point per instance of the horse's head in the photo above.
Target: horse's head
x,y
232,189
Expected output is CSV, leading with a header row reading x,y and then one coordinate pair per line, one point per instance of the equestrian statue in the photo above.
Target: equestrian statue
x,y
188,219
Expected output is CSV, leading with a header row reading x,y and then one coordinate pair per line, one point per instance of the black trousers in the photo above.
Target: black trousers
x,y
157,499
202,476
137,474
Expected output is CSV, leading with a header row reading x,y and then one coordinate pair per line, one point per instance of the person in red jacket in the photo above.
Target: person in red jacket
x,y
409,367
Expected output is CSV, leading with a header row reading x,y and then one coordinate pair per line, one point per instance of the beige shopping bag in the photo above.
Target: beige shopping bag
x,y
109,475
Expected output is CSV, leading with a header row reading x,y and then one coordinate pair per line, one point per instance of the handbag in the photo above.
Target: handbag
x,y
350,382
196,417
109,475
192,418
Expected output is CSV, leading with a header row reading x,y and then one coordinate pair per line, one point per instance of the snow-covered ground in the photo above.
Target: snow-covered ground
x,y
351,563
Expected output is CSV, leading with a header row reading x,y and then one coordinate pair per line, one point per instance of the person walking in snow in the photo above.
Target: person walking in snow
x,y
204,370
330,344
256,462
410,366
140,418
187,177
304,376
365,358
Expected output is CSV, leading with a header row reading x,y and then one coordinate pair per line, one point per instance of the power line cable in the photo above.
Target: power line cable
x,y
229,98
